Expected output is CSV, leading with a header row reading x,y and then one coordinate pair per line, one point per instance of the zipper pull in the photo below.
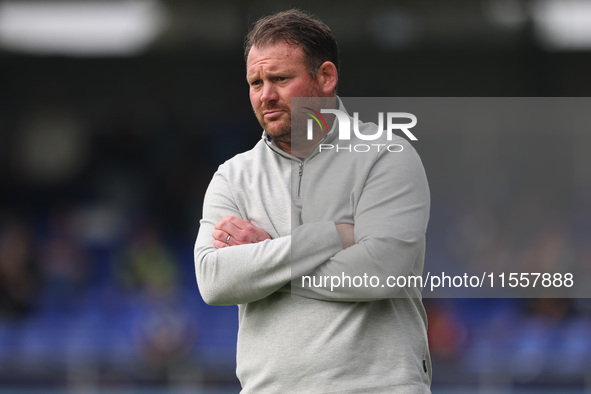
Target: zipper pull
x,y
300,178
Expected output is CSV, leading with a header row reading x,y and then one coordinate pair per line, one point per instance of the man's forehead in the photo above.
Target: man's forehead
x,y
278,50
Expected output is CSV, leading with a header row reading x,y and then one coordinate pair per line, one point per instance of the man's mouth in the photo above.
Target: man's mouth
x,y
272,113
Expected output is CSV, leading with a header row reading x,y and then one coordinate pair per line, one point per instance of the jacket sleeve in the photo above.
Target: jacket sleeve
x,y
390,224
247,273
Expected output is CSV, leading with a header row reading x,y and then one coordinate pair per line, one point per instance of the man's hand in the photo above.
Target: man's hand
x,y
347,234
232,231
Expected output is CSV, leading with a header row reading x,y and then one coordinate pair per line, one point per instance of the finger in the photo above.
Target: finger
x,y
228,226
220,235
219,244
239,222
236,221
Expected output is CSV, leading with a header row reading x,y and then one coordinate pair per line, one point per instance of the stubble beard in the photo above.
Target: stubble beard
x,y
283,133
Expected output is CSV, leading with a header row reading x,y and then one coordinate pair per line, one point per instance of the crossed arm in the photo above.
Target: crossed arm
x,y
237,231
251,266
387,239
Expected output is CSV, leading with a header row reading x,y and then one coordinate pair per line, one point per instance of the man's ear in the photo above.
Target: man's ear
x,y
327,77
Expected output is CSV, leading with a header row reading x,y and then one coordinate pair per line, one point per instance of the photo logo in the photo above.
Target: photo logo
x,y
315,116
344,124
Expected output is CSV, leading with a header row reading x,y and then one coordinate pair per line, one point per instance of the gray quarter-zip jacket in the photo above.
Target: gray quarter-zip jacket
x,y
304,336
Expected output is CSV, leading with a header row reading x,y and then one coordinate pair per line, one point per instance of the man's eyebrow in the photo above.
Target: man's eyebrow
x,y
273,72
285,70
250,73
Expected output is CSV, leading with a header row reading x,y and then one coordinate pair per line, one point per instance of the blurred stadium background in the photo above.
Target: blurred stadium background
x,y
115,114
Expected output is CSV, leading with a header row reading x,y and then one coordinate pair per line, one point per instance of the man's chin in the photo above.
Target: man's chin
x,y
276,129
280,136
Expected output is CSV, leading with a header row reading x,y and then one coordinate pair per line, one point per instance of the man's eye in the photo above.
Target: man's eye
x,y
255,83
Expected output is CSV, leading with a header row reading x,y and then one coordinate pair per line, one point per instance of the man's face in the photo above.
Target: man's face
x,y
275,74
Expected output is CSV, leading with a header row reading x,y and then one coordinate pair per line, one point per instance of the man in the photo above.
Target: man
x,y
285,210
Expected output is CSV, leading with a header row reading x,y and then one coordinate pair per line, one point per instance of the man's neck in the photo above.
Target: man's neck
x,y
301,146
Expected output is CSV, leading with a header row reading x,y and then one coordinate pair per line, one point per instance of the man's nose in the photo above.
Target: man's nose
x,y
269,93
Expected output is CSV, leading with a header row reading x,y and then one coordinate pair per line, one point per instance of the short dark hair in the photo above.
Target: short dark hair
x,y
296,27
